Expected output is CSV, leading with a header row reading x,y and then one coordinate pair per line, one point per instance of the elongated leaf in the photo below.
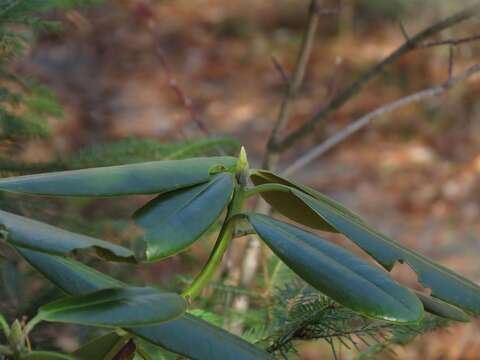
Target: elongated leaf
x,y
287,203
337,273
28,233
101,348
114,307
71,276
442,309
188,336
4,325
141,178
267,177
46,355
293,208
173,221
445,284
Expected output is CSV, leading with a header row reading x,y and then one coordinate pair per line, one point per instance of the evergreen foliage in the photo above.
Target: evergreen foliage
x,y
294,312
304,314
300,312
24,105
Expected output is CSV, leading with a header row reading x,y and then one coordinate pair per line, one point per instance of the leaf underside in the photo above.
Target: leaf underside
x,y
287,204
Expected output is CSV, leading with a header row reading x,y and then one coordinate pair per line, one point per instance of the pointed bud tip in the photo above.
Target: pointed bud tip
x,y
242,162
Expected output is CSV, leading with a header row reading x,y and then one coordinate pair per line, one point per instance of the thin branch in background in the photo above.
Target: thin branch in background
x,y
186,101
450,61
148,15
363,121
451,41
253,250
281,70
404,31
293,85
182,96
354,88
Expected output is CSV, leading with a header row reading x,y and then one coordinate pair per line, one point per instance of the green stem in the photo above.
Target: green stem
x,y
221,245
265,188
32,323
275,273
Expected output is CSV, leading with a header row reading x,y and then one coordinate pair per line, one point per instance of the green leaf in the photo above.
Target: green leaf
x,y
32,234
114,307
199,340
187,335
442,309
71,276
265,176
339,274
173,221
287,203
4,326
444,283
141,178
102,347
46,355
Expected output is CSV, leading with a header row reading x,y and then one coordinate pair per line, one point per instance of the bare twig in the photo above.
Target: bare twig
x,y
354,88
278,143
281,70
404,31
182,96
385,109
451,41
253,251
450,61
293,85
146,12
172,82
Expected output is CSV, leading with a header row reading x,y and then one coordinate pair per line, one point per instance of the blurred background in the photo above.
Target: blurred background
x,y
132,76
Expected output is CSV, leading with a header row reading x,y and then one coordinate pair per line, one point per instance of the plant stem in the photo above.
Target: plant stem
x,y
32,323
294,84
253,250
221,245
